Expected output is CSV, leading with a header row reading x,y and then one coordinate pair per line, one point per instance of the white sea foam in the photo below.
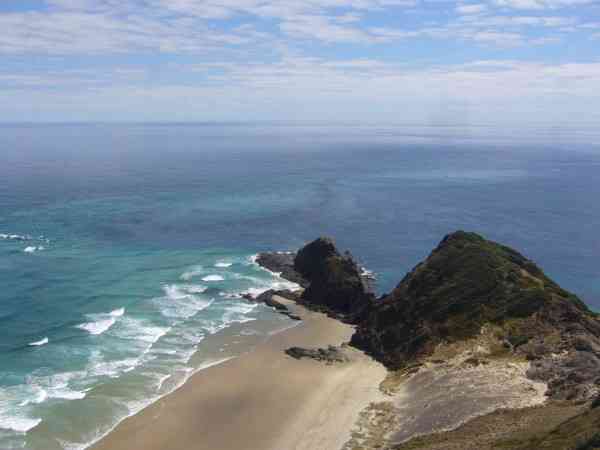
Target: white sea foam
x,y
179,303
161,381
256,291
68,394
136,406
250,332
101,322
99,367
57,386
33,249
140,334
236,313
213,278
278,283
15,399
194,272
223,264
39,397
117,312
14,237
266,285
164,351
99,326
39,343
367,273
18,424
194,288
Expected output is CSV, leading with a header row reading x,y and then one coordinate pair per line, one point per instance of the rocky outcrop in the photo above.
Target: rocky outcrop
x,y
283,264
468,282
329,355
269,298
336,284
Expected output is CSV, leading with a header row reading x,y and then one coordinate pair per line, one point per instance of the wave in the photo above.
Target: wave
x,y
117,312
278,284
40,397
18,424
135,407
98,366
237,313
213,278
14,237
223,265
16,400
196,271
180,302
97,327
140,334
194,288
368,273
39,343
101,322
33,249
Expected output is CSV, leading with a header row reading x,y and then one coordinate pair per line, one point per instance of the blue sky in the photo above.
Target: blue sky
x,y
368,60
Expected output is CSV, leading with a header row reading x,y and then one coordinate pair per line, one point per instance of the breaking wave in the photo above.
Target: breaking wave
x,y
101,322
39,343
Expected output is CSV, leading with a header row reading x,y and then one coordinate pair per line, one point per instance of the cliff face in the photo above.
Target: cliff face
x,y
468,282
335,281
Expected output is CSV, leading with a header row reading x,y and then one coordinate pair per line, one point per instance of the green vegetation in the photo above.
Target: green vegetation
x,y
581,432
465,283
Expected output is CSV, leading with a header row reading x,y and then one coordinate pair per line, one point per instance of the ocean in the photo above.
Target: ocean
x,y
125,249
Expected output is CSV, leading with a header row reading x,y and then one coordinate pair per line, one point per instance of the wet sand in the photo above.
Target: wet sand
x,y
262,400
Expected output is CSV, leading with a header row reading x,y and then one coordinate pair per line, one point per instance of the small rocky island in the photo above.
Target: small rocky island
x,y
484,351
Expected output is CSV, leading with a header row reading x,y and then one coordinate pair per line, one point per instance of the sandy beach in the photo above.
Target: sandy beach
x,y
263,399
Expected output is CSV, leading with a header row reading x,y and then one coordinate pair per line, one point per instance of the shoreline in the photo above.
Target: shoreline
x,y
263,399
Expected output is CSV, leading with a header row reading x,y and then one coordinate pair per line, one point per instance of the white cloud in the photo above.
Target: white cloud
x,y
541,4
476,8
500,39
313,88
202,26
518,21
322,28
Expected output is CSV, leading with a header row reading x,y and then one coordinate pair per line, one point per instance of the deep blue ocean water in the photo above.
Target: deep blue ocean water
x,y
124,248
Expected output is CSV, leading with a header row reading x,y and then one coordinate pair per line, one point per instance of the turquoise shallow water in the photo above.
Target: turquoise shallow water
x,y
124,248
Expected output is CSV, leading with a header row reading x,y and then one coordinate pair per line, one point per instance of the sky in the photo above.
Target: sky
x,y
414,61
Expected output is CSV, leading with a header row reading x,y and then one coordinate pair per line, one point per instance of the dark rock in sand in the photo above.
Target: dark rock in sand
x,y
290,295
335,281
291,316
329,355
267,299
282,263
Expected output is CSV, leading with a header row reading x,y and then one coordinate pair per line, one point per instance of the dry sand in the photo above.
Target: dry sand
x,y
263,400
